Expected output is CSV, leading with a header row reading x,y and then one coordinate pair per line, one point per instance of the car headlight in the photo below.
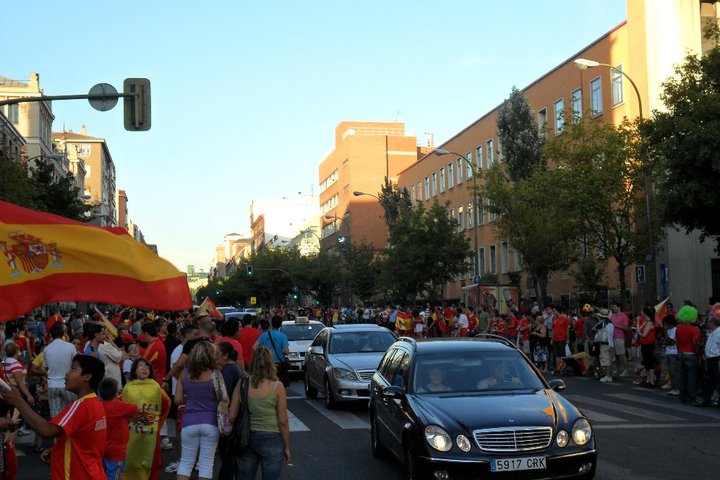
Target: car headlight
x,y
341,373
463,443
294,355
581,432
562,438
438,438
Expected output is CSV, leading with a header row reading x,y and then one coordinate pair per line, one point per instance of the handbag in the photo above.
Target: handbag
x,y
283,368
601,336
239,439
223,409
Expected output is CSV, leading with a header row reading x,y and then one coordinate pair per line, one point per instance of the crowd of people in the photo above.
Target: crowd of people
x,y
102,386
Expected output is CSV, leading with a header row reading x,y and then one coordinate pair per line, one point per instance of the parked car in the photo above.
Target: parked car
x,y
225,310
300,334
341,360
475,408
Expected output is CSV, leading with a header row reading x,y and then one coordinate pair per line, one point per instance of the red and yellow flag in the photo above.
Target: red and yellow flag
x,y
660,311
108,324
208,306
46,258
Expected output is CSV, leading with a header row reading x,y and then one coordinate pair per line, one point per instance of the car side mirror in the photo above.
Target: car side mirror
x,y
316,350
393,391
557,384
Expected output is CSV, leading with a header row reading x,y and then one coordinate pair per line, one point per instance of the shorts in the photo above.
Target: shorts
x,y
114,469
606,359
558,347
619,346
525,346
178,420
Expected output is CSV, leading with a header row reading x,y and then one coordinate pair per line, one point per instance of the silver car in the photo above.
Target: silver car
x,y
341,361
300,333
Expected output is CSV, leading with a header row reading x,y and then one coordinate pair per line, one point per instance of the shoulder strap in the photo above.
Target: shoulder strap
x,y
269,332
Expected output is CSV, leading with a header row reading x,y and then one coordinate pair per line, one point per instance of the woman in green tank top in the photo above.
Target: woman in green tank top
x,y
269,429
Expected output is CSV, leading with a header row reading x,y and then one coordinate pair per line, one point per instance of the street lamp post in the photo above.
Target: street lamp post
x,y
584,64
476,258
344,221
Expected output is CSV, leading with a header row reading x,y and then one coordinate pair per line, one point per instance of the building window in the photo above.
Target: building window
x,y
490,153
434,184
452,214
576,104
330,180
412,193
480,212
469,166
481,260
442,180
479,158
493,260
517,256
596,96
12,112
451,175
491,214
504,257
617,85
427,188
461,218
542,121
559,116
460,162
470,222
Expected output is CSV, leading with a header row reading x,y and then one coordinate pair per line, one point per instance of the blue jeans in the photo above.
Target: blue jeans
x,y
266,450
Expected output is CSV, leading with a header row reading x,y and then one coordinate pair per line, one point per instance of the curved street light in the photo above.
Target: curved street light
x,y
360,194
341,239
584,64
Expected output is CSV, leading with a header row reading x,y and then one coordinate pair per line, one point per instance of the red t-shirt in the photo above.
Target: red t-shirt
x,y
472,322
684,335
156,354
560,324
513,327
236,345
524,334
78,451
247,338
118,415
579,328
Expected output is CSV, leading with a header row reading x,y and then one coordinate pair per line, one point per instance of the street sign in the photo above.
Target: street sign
x,y
253,301
476,279
106,103
640,273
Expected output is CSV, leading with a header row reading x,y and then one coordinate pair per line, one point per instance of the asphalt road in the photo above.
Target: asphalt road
x,y
641,434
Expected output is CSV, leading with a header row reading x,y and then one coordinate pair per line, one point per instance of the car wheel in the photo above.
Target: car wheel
x,y
310,391
378,450
330,401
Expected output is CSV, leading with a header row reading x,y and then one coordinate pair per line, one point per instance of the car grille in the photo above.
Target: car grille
x,y
513,439
365,375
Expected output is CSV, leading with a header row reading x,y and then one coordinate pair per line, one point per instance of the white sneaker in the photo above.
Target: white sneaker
x,y
606,379
166,444
624,373
172,468
674,392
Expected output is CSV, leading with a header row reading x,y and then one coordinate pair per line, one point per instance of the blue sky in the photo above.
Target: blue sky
x,y
246,95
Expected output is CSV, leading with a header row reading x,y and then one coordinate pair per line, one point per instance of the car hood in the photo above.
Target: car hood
x,y
469,412
299,345
356,361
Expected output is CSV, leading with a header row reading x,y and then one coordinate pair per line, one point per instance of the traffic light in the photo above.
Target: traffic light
x,y
295,295
249,270
137,106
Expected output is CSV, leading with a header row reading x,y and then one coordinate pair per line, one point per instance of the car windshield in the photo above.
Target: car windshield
x,y
361,342
471,372
225,310
306,331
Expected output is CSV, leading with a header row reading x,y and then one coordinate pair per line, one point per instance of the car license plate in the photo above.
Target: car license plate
x,y
513,464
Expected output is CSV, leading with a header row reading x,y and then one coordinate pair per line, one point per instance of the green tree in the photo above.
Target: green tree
x,y
425,251
394,201
15,184
602,183
522,144
684,144
361,269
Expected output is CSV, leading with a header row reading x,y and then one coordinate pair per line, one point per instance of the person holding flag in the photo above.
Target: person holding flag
x,y
208,307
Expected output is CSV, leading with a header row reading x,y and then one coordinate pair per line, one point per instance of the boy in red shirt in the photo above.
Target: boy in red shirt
x,y
79,430
560,333
117,415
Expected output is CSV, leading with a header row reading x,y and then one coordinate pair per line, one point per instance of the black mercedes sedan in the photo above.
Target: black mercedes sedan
x,y
475,408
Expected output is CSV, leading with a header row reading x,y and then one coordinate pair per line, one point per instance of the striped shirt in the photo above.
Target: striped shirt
x,y
10,366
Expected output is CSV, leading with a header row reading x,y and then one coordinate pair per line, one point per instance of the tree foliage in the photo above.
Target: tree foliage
x,y
530,214
522,144
603,179
683,141
425,251
360,269
37,189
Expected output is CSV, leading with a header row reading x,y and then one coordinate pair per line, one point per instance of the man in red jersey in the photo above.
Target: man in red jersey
x,y
80,430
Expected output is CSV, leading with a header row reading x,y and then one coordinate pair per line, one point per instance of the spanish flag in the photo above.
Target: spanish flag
x,y
47,258
108,324
208,306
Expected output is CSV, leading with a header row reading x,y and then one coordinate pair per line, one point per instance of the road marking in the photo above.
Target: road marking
x,y
601,417
678,407
620,408
344,420
297,397
295,424
656,425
